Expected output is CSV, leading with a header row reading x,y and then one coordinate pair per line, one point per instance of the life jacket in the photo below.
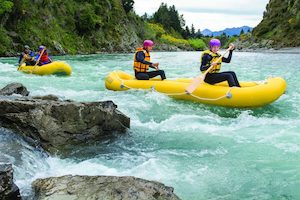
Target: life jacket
x,y
215,57
138,66
44,58
28,56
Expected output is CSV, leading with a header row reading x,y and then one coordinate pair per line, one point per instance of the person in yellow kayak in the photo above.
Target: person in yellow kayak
x,y
142,63
27,56
45,59
209,57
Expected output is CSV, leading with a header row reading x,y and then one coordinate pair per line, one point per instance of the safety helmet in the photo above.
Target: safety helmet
x,y
214,42
26,47
148,43
41,47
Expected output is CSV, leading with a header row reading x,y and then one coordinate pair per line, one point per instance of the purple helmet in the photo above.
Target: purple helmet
x,y
148,43
214,42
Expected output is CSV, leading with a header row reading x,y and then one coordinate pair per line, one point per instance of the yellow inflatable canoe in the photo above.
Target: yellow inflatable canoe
x,y
251,94
57,68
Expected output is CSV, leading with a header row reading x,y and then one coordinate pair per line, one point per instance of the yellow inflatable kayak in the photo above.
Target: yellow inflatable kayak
x,y
250,94
57,68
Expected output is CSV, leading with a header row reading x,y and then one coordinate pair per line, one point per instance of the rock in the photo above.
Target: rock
x,y
58,125
59,49
14,88
49,97
101,187
8,190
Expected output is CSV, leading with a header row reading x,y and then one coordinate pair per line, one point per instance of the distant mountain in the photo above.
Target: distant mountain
x,y
227,31
206,32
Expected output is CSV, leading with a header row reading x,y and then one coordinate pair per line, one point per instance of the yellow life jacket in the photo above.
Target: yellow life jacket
x,y
215,57
138,66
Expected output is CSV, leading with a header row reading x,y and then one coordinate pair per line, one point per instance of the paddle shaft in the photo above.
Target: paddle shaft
x,y
38,60
199,79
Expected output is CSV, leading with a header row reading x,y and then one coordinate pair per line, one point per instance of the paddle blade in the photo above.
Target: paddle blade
x,y
195,83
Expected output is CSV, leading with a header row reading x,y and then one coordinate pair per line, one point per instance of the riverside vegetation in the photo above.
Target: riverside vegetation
x,y
84,27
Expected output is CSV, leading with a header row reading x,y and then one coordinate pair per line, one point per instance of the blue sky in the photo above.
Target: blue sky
x,y
214,15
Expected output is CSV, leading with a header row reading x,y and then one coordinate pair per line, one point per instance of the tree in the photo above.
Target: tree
x,y
5,6
186,33
242,32
145,17
193,33
127,5
199,34
169,18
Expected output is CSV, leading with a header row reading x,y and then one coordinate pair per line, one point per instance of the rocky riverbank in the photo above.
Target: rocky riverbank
x,y
8,189
57,125
101,187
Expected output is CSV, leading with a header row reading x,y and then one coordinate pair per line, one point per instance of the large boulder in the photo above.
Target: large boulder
x,y
14,88
56,125
101,187
8,190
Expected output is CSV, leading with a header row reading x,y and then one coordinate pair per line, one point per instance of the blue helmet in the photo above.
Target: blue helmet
x,y
41,47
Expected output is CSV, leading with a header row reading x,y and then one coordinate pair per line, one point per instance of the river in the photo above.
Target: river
x,y
204,152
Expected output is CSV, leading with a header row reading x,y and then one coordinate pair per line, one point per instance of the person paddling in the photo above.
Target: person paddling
x,y
209,57
45,59
142,62
27,56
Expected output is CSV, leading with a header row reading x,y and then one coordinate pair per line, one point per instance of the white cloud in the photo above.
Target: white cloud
x,y
215,15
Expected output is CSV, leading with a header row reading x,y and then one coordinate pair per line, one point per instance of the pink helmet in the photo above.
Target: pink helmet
x,y
214,42
148,43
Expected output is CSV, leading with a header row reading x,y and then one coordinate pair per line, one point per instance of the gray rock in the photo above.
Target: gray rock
x,y
8,190
101,187
58,125
59,48
14,88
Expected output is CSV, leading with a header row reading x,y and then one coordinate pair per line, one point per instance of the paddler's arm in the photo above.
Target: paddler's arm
x,y
140,57
228,59
204,60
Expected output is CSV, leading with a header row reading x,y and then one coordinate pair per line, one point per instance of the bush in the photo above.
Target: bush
x,y
197,44
5,41
168,39
5,6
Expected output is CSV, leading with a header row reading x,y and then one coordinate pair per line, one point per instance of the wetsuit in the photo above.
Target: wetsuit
x,y
140,57
213,78
28,59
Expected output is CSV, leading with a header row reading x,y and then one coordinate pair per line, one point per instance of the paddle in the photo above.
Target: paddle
x,y
200,79
38,60
22,61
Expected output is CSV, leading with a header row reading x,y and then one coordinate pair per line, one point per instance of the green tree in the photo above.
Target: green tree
x,y
5,6
169,18
186,33
127,5
242,32
193,32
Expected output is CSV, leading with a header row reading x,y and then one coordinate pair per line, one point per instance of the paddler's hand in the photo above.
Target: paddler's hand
x,y
231,46
214,64
155,65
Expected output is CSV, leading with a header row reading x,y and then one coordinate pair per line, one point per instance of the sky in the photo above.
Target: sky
x,y
211,14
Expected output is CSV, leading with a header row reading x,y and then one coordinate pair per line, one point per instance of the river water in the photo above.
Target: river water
x,y
204,152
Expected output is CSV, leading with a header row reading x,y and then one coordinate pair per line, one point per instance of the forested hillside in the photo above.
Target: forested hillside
x,y
280,24
73,26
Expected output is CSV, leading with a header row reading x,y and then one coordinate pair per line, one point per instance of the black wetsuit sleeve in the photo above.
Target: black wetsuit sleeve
x,y
206,58
21,57
228,59
140,57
